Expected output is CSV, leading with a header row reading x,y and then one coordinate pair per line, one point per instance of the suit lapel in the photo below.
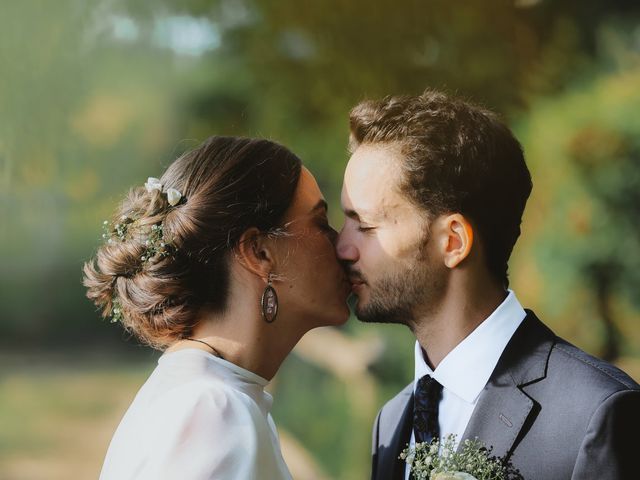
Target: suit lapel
x,y
499,416
503,408
395,433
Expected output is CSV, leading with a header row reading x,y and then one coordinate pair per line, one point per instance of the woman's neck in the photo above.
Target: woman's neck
x,y
240,336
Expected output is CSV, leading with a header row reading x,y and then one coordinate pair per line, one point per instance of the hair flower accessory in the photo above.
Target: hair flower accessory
x,y
173,196
152,184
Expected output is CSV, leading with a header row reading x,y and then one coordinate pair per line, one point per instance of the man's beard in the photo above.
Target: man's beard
x,y
396,298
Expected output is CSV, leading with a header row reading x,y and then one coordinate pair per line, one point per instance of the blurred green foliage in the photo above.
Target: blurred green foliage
x,y
586,141
98,95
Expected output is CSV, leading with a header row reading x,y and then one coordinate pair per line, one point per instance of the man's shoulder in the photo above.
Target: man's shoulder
x,y
567,360
537,353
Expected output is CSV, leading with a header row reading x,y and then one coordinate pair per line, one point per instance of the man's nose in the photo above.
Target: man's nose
x,y
345,249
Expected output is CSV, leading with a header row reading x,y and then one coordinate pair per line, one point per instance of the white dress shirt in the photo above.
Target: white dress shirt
x,y
197,417
465,371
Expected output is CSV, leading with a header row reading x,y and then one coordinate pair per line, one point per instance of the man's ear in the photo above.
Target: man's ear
x,y
255,252
457,239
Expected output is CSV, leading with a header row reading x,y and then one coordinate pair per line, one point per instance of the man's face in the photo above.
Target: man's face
x,y
392,264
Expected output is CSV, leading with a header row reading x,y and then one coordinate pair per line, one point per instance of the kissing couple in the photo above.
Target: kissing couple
x,y
228,259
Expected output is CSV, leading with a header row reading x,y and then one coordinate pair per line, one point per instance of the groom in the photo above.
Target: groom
x,y
433,196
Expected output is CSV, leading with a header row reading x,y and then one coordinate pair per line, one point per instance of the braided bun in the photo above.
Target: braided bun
x,y
229,184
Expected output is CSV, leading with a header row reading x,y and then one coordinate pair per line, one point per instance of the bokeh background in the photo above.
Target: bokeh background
x,y
97,95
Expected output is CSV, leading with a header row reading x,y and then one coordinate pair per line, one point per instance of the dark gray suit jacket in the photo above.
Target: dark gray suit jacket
x,y
554,411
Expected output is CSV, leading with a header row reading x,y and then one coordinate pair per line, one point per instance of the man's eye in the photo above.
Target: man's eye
x,y
362,228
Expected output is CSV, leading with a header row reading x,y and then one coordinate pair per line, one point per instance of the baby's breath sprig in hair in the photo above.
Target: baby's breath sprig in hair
x,y
118,230
155,243
116,310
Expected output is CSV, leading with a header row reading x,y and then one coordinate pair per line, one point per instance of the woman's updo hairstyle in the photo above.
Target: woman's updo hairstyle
x,y
228,185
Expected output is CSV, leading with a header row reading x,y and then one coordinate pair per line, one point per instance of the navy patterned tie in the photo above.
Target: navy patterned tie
x,y
425,409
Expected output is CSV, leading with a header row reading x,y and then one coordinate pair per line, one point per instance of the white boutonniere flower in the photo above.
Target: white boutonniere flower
x,y
441,460
453,476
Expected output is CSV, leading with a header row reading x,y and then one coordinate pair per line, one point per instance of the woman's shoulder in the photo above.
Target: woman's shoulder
x,y
169,410
190,431
186,380
171,388
197,411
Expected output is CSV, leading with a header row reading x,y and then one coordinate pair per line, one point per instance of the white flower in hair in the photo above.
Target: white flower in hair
x,y
173,196
153,184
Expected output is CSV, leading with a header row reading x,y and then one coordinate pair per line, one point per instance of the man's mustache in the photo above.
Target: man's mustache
x,y
354,275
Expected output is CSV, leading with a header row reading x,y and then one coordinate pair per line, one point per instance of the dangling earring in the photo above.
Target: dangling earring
x,y
269,302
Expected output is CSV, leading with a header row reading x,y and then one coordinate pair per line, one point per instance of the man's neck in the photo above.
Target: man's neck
x,y
440,331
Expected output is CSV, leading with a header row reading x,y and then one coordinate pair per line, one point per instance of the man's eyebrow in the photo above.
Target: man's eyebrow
x,y
363,216
352,214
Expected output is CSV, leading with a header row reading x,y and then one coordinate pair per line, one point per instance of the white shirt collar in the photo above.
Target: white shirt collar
x,y
467,368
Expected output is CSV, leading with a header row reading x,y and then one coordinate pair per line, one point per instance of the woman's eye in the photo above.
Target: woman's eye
x,y
362,228
324,225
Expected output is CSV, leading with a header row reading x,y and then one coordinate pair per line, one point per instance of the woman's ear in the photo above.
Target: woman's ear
x,y
457,240
255,252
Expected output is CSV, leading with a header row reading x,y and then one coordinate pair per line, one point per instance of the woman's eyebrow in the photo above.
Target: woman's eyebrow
x,y
322,204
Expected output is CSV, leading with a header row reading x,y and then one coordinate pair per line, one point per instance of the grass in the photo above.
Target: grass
x,y
58,413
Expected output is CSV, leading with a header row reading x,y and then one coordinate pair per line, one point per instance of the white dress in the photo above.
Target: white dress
x,y
197,417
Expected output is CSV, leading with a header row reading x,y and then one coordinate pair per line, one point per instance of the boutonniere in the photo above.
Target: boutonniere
x,y
439,460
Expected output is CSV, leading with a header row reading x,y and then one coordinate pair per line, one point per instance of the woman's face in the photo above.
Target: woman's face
x,y
311,284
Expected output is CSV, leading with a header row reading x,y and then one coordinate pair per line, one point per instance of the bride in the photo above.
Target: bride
x,y
224,263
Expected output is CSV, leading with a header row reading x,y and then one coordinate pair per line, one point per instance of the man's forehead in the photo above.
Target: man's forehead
x,y
371,160
371,187
373,211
